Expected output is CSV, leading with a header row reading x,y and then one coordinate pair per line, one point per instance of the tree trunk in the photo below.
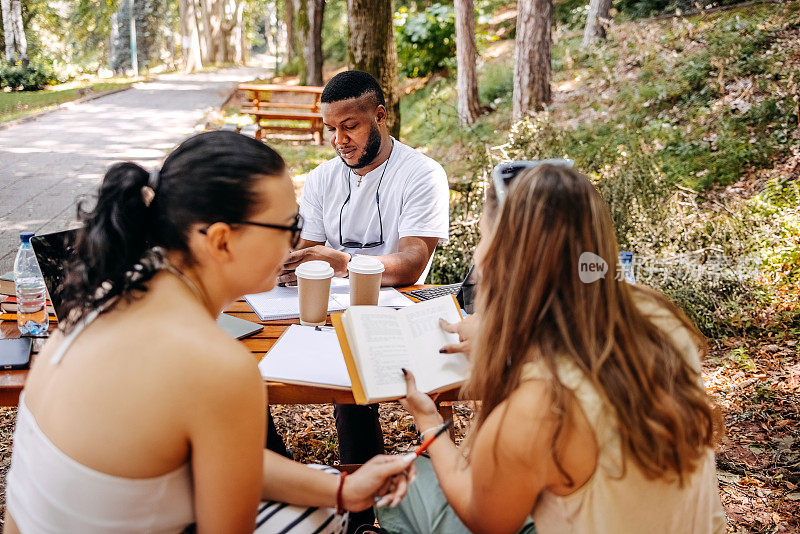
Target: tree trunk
x,y
217,13
301,32
532,56
372,49
597,21
19,30
312,47
190,42
290,37
466,55
8,30
113,42
203,9
242,46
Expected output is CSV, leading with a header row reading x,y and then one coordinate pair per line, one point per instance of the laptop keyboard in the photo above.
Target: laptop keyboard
x,y
429,293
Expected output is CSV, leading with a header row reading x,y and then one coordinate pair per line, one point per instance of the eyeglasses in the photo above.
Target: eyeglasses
x,y
504,173
356,244
295,228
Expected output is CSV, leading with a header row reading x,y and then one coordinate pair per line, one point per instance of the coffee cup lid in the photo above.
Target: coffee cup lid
x,y
314,270
361,264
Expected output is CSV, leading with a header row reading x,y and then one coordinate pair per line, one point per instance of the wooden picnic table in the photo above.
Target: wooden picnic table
x,y
259,103
12,381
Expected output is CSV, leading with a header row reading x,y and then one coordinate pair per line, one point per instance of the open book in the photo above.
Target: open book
x,y
377,342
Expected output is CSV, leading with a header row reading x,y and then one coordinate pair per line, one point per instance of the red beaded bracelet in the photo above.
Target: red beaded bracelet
x,y
339,501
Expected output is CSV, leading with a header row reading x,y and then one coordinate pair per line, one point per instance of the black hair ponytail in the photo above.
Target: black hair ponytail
x,y
209,178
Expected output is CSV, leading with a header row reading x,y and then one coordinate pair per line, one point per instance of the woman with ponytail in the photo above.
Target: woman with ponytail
x,y
140,414
592,416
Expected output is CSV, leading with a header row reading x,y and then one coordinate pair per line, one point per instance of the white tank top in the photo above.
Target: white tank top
x,y
610,503
47,491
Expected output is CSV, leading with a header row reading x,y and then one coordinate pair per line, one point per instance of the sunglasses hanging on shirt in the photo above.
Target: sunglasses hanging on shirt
x,y
356,244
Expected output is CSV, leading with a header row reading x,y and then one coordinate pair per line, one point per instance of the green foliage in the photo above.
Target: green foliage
x,y
740,357
659,120
496,83
31,77
571,13
650,8
334,38
426,40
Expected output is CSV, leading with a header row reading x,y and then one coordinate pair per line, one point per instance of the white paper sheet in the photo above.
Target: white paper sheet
x,y
306,355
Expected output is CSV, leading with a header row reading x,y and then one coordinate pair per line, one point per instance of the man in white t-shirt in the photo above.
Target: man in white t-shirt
x,y
378,197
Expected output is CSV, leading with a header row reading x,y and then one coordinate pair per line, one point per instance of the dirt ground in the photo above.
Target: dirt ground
x,y
755,381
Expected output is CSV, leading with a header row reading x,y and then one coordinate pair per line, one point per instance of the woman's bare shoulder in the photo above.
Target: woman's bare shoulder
x,y
209,362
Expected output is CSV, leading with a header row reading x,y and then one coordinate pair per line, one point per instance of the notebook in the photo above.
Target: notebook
x,y
307,355
284,302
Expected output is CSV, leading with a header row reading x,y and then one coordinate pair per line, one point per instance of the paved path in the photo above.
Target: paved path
x,y
48,163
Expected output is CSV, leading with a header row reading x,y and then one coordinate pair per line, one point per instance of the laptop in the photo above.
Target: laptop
x,y
464,292
54,250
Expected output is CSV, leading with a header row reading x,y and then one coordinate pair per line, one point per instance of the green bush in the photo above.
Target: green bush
x,y
650,8
30,77
426,40
496,83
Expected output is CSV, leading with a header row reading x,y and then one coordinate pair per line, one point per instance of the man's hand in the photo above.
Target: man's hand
x,y
337,259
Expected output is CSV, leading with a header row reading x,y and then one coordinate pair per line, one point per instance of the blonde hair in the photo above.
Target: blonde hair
x,y
535,307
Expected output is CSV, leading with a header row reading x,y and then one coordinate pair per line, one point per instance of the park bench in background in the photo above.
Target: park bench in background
x,y
271,104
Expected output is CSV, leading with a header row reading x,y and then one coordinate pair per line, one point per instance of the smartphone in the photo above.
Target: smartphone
x,y
15,353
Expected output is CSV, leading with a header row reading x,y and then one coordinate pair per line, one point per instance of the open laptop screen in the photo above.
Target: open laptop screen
x,y
52,252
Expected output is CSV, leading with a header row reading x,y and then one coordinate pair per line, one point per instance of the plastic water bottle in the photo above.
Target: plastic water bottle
x,y
32,319
626,263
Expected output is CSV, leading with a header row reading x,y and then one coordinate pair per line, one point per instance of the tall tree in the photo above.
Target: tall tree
x,y
597,21
312,42
372,49
466,55
190,34
14,31
8,31
532,56
291,40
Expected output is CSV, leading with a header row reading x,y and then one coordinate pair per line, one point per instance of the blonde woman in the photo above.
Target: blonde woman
x,y
593,416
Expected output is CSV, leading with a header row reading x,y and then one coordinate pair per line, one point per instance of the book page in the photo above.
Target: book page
x,y
380,350
432,369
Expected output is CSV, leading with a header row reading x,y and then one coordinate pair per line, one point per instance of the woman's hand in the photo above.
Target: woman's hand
x,y
419,405
384,477
466,329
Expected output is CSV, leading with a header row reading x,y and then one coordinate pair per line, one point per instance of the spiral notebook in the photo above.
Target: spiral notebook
x,y
284,302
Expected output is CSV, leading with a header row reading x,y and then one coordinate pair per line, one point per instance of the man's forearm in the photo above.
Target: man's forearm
x,y
402,268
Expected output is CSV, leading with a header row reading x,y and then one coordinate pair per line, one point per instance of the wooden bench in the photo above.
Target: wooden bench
x,y
297,103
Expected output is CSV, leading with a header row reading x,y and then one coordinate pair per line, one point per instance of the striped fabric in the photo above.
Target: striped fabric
x,y
279,518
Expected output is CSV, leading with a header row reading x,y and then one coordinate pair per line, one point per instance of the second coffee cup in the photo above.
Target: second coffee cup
x,y
314,283
365,280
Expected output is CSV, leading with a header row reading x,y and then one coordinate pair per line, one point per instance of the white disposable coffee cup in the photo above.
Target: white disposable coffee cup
x,y
365,280
314,283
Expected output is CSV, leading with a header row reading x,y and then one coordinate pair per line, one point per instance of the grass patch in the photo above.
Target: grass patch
x,y
18,104
300,157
